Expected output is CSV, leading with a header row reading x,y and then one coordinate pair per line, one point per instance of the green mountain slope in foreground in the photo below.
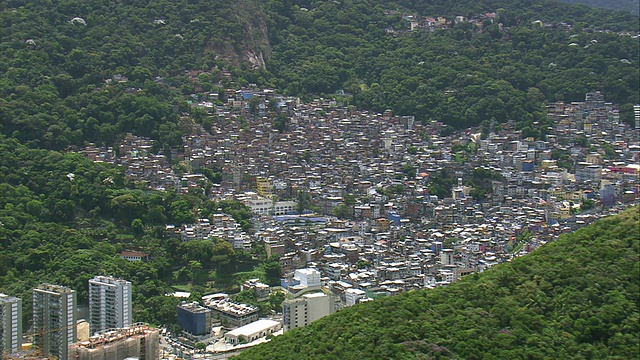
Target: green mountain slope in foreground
x,y
576,298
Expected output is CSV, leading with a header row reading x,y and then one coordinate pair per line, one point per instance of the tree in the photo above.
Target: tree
x,y
281,123
349,199
342,211
587,204
303,201
409,171
273,270
137,227
223,256
275,300
181,212
196,272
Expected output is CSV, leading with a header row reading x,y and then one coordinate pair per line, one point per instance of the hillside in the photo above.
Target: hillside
x,y
499,62
575,298
73,72
626,5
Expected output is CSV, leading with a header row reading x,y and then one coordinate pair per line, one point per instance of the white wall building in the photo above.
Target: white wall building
x,y
109,303
304,310
10,324
308,277
353,296
252,332
446,257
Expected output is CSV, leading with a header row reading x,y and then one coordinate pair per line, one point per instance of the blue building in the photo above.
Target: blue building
x,y
608,195
528,166
194,318
394,217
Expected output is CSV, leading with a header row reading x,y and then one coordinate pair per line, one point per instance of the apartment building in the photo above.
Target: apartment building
x,y
10,324
54,319
109,303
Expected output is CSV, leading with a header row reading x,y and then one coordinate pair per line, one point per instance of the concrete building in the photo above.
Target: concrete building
x,y
137,341
308,277
110,303
353,296
446,257
54,319
194,318
253,331
588,172
304,310
302,281
232,315
260,290
10,324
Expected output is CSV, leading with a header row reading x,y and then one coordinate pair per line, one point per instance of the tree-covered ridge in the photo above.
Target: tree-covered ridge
x,y
631,6
575,298
504,67
89,71
526,10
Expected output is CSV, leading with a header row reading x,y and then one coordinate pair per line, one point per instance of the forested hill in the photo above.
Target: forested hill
x,y
627,5
504,66
75,71
575,298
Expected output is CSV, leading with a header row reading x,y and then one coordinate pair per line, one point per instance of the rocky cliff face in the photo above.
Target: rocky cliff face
x,y
249,43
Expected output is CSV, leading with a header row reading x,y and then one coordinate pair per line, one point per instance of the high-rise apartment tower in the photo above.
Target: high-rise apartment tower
x,y
109,303
10,324
54,319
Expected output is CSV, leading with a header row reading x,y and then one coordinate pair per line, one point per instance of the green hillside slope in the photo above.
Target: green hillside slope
x,y
89,71
627,5
575,298
503,67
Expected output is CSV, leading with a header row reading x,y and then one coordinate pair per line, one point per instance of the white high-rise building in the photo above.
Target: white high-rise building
x,y
109,303
10,324
54,319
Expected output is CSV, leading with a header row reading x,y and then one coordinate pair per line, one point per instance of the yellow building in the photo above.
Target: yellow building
x,y
595,159
264,186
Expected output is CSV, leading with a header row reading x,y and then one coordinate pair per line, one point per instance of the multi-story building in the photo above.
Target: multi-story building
x,y
137,341
109,303
54,319
588,172
10,324
304,310
194,318
232,315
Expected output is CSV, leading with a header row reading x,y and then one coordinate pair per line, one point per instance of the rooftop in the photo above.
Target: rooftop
x,y
253,328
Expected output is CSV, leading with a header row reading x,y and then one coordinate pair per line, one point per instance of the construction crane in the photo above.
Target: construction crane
x,y
36,351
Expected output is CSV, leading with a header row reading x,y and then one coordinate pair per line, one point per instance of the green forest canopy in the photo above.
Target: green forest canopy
x,y
574,298
627,5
